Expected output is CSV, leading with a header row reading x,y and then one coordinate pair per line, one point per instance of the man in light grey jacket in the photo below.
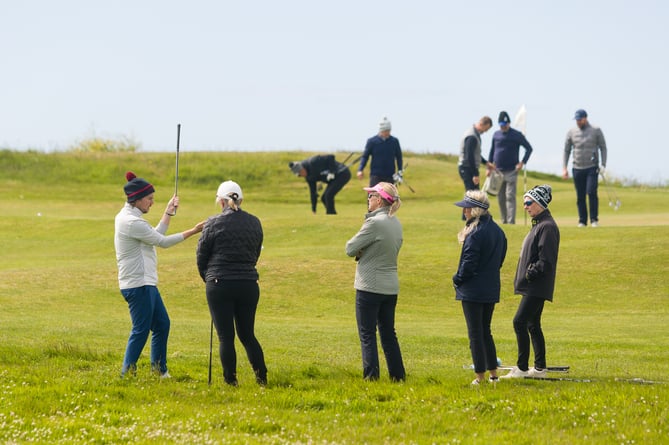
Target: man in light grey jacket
x,y
587,142
375,248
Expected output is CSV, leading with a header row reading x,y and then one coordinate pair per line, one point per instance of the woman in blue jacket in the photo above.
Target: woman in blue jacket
x,y
477,282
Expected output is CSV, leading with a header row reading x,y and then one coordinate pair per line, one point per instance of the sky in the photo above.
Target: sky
x,y
319,76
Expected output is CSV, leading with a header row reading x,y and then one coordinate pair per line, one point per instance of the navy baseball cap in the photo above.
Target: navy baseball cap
x,y
580,114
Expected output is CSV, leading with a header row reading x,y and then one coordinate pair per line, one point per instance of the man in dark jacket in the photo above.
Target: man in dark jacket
x,y
386,156
322,168
505,155
535,282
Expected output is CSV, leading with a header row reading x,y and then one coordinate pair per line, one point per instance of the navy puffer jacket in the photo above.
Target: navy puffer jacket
x,y
482,256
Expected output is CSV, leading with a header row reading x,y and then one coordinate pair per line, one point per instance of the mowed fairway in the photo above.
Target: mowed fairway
x,y
64,324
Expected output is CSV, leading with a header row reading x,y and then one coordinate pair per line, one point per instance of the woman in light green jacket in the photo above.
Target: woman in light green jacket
x,y
375,248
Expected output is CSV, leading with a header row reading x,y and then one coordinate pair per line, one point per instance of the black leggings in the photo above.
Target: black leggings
x,y
527,323
233,303
479,317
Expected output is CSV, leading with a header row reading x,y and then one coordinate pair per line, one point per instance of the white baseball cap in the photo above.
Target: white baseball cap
x,y
228,188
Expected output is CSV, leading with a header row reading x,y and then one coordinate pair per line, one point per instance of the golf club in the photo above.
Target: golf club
x,y
611,193
399,178
176,173
559,379
211,347
548,368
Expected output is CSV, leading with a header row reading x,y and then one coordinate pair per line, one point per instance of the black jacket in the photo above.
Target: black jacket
x,y
481,258
535,275
318,167
229,246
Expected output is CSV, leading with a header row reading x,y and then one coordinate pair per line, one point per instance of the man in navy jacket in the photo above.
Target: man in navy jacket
x,y
504,154
386,152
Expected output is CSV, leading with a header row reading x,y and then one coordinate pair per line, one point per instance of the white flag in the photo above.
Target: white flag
x,y
519,123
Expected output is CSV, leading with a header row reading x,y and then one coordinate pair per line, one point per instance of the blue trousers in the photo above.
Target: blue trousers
x,y
479,317
585,182
374,310
148,313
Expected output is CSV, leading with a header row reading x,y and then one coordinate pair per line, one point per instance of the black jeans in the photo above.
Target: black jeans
x,y
332,189
527,323
233,303
478,317
372,310
585,181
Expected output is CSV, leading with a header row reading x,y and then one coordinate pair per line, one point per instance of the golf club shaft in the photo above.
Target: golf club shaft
x,y
211,347
176,171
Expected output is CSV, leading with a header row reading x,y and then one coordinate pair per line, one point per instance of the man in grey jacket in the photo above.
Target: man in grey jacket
x,y
375,248
587,142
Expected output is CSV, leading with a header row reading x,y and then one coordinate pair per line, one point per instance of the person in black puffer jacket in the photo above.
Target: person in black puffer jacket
x,y
227,253
535,282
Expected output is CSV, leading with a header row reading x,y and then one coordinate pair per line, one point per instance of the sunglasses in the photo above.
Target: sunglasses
x,y
528,203
372,195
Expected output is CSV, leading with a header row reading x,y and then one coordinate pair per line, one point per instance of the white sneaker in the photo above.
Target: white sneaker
x,y
476,382
581,225
515,373
594,224
534,372
165,375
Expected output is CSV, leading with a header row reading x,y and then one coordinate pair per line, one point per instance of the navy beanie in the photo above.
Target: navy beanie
x,y
136,188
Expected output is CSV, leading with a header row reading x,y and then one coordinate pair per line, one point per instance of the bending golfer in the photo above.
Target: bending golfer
x,y
135,241
375,248
535,282
477,282
227,254
322,168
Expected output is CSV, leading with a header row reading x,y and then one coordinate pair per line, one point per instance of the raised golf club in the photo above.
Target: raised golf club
x,y
176,170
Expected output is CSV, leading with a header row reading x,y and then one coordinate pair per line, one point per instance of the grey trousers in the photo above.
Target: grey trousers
x,y
507,197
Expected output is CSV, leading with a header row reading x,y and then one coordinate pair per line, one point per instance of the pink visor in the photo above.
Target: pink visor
x,y
378,189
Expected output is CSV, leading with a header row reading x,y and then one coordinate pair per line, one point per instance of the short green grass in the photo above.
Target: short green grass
x,y
64,324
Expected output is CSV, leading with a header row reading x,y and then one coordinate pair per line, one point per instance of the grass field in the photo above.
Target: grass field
x,y
64,324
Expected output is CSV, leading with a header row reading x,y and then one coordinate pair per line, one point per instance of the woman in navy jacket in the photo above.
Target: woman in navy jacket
x,y
477,282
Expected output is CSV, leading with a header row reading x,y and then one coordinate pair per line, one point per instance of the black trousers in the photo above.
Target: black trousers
x,y
374,310
527,324
233,303
479,317
585,182
333,188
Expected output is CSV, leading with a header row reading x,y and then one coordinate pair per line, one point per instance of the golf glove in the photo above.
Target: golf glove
x,y
602,171
330,177
397,177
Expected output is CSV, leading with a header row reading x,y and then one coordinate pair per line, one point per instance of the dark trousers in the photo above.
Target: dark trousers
x,y
585,182
332,189
233,303
478,317
466,174
372,310
375,179
527,323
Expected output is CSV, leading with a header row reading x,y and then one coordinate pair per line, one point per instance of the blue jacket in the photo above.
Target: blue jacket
x,y
384,153
505,148
482,256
